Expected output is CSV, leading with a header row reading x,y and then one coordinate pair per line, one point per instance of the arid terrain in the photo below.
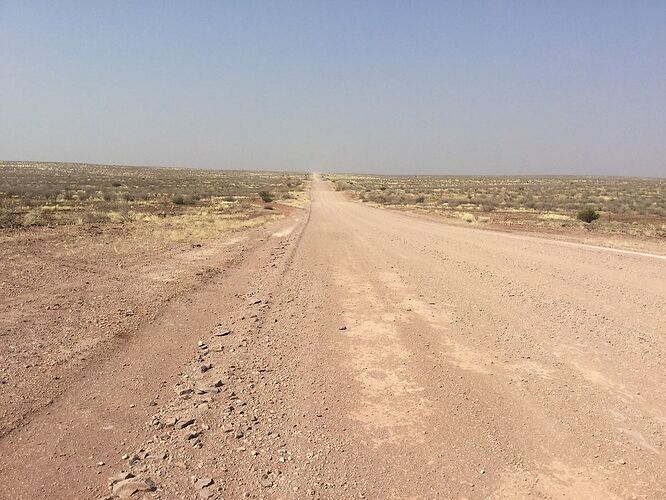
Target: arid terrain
x,y
626,206
329,349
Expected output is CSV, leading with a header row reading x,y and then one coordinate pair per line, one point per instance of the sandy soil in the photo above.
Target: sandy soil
x,y
353,352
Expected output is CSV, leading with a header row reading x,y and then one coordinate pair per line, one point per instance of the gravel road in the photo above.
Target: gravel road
x,y
354,352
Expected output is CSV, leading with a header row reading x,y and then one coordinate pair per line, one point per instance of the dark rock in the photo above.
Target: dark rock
x,y
185,423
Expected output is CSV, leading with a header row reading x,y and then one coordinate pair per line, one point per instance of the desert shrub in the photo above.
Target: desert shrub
x,y
116,184
34,217
420,199
179,199
588,215
266,196
108,196
93,217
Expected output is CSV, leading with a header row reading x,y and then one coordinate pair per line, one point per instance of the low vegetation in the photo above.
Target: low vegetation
x,y
52,194
588,215
266,196
619,204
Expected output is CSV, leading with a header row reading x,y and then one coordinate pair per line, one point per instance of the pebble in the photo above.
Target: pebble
x,y
206,493
193,434
219,332
203,482
171,421
185,423
124,485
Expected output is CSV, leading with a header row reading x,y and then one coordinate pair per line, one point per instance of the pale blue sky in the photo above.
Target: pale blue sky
x,y
561,87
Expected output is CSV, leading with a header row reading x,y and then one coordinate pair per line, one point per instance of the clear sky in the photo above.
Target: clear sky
x,y
498,87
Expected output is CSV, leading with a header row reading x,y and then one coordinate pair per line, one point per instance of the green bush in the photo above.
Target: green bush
x,y
588,215
266,196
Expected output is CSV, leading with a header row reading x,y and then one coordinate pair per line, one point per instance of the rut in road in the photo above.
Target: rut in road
x,y
395,357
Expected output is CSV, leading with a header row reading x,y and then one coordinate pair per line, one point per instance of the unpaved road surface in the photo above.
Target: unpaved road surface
x,y
351,352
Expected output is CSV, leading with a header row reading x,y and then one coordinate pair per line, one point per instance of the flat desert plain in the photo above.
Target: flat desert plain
x,y
332,350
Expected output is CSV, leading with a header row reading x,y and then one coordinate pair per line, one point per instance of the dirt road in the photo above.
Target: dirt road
x,y
375,354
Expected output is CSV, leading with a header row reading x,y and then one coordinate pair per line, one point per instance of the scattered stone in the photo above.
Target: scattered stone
x,y
185,392
206,493
185,423
267,483
218,383
121,476
194,435
219,331
171,421
205,367
239,434
125,488
343,328
203,482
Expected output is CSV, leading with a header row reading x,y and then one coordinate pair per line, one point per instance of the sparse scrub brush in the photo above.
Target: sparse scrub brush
x,y
179,199
588,215
266,196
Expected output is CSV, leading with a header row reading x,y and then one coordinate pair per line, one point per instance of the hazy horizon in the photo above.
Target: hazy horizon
x,y
377,88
